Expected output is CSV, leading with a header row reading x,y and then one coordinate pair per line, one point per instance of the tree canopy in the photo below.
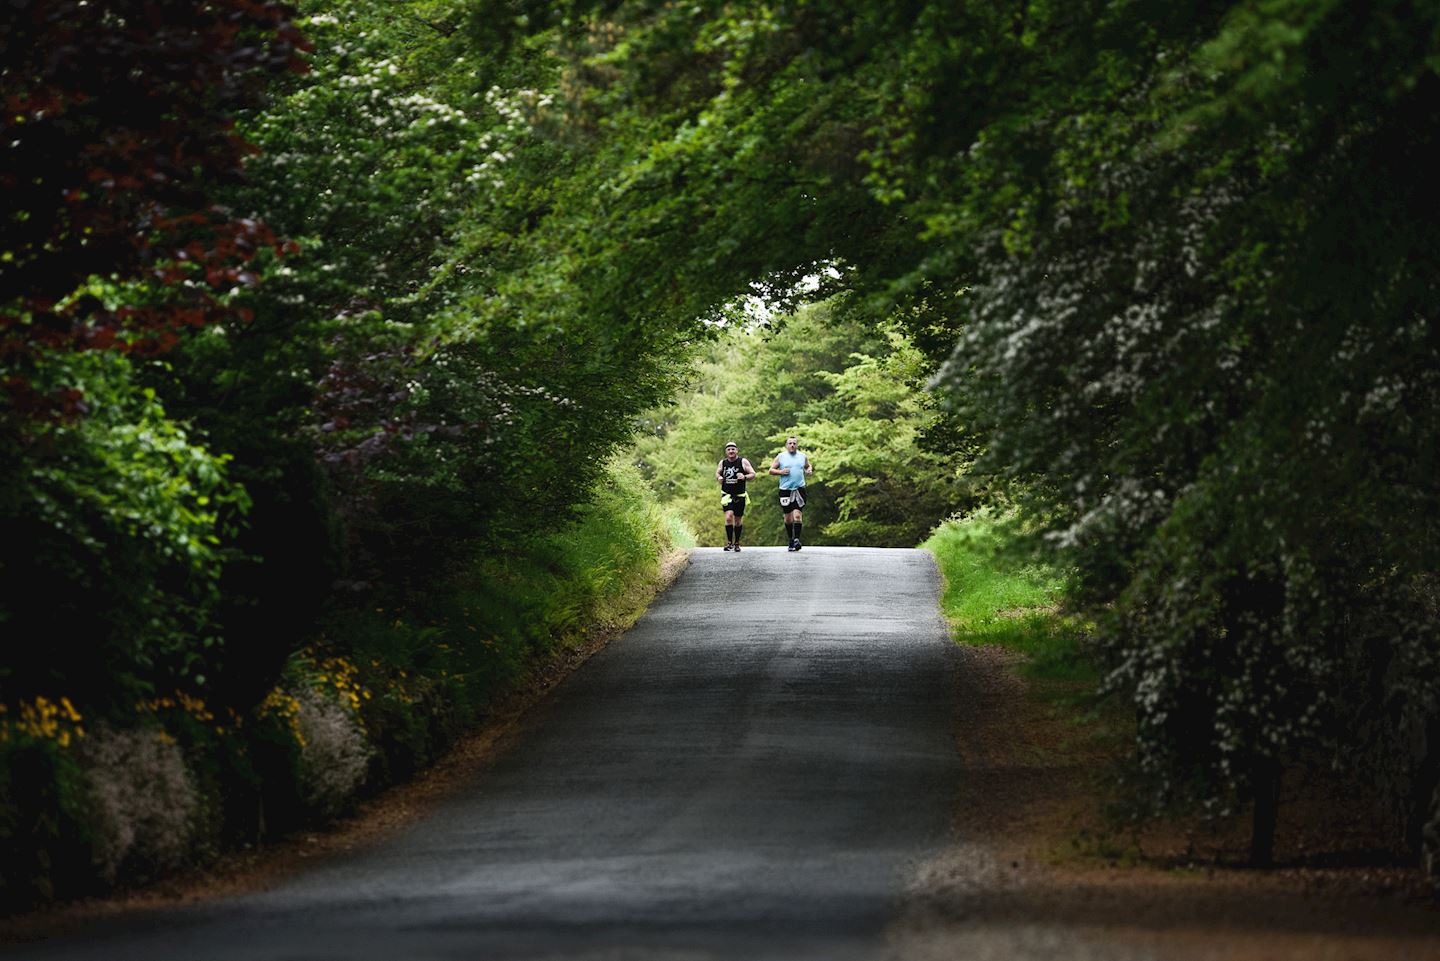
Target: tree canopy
x,y
118,125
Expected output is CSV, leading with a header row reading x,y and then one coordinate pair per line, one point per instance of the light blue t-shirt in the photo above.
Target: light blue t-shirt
x,y
794,467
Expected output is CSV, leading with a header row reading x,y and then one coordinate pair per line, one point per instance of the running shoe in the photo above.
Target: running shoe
x,y
729,547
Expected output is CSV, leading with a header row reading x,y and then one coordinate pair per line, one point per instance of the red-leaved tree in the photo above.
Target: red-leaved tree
x,y
117,126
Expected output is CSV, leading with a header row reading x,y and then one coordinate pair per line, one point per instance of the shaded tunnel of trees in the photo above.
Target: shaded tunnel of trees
x,y
314,318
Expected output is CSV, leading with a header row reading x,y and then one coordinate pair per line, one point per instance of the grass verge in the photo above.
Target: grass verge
x,y
995,595
1035,736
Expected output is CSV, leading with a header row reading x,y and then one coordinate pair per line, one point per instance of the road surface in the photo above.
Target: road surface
x,y
752,772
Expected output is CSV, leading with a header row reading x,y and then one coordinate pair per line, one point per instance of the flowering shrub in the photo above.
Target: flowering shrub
x,y
333,754
286,707
318,707
43,806
144,803
1204,385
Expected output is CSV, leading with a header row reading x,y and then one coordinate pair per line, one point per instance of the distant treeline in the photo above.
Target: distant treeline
x,y
852,393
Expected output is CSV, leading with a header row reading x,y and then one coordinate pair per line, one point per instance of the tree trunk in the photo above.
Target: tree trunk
x,y
1265,781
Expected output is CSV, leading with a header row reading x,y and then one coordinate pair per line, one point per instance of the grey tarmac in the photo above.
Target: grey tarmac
x,y
754,771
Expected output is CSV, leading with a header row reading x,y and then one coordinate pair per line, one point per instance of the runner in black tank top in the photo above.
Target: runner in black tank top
x,y
733,472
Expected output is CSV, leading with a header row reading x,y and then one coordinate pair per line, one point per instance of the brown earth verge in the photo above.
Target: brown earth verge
x,y
1036,869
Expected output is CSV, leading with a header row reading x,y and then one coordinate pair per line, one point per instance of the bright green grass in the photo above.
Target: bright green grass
x,y
560,587
680,532
995,596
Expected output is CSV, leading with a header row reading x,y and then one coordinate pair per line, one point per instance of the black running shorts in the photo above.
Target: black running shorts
x,y
792,500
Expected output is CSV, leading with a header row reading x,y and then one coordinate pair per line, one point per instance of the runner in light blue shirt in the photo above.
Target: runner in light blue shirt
x,y
792,467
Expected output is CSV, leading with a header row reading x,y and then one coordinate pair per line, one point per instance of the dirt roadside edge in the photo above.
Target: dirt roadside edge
x,y
1016,880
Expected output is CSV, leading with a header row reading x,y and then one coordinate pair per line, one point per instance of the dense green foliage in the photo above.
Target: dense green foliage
x,y
387,395
853,396
130,515
1208,334
116,517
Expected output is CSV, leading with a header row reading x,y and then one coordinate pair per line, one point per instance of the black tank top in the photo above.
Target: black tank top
x,y
732,476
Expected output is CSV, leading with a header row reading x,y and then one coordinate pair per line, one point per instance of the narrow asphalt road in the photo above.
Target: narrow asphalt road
x,y
751,772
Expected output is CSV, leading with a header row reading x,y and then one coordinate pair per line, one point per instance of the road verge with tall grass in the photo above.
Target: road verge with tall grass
x,y
995,594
